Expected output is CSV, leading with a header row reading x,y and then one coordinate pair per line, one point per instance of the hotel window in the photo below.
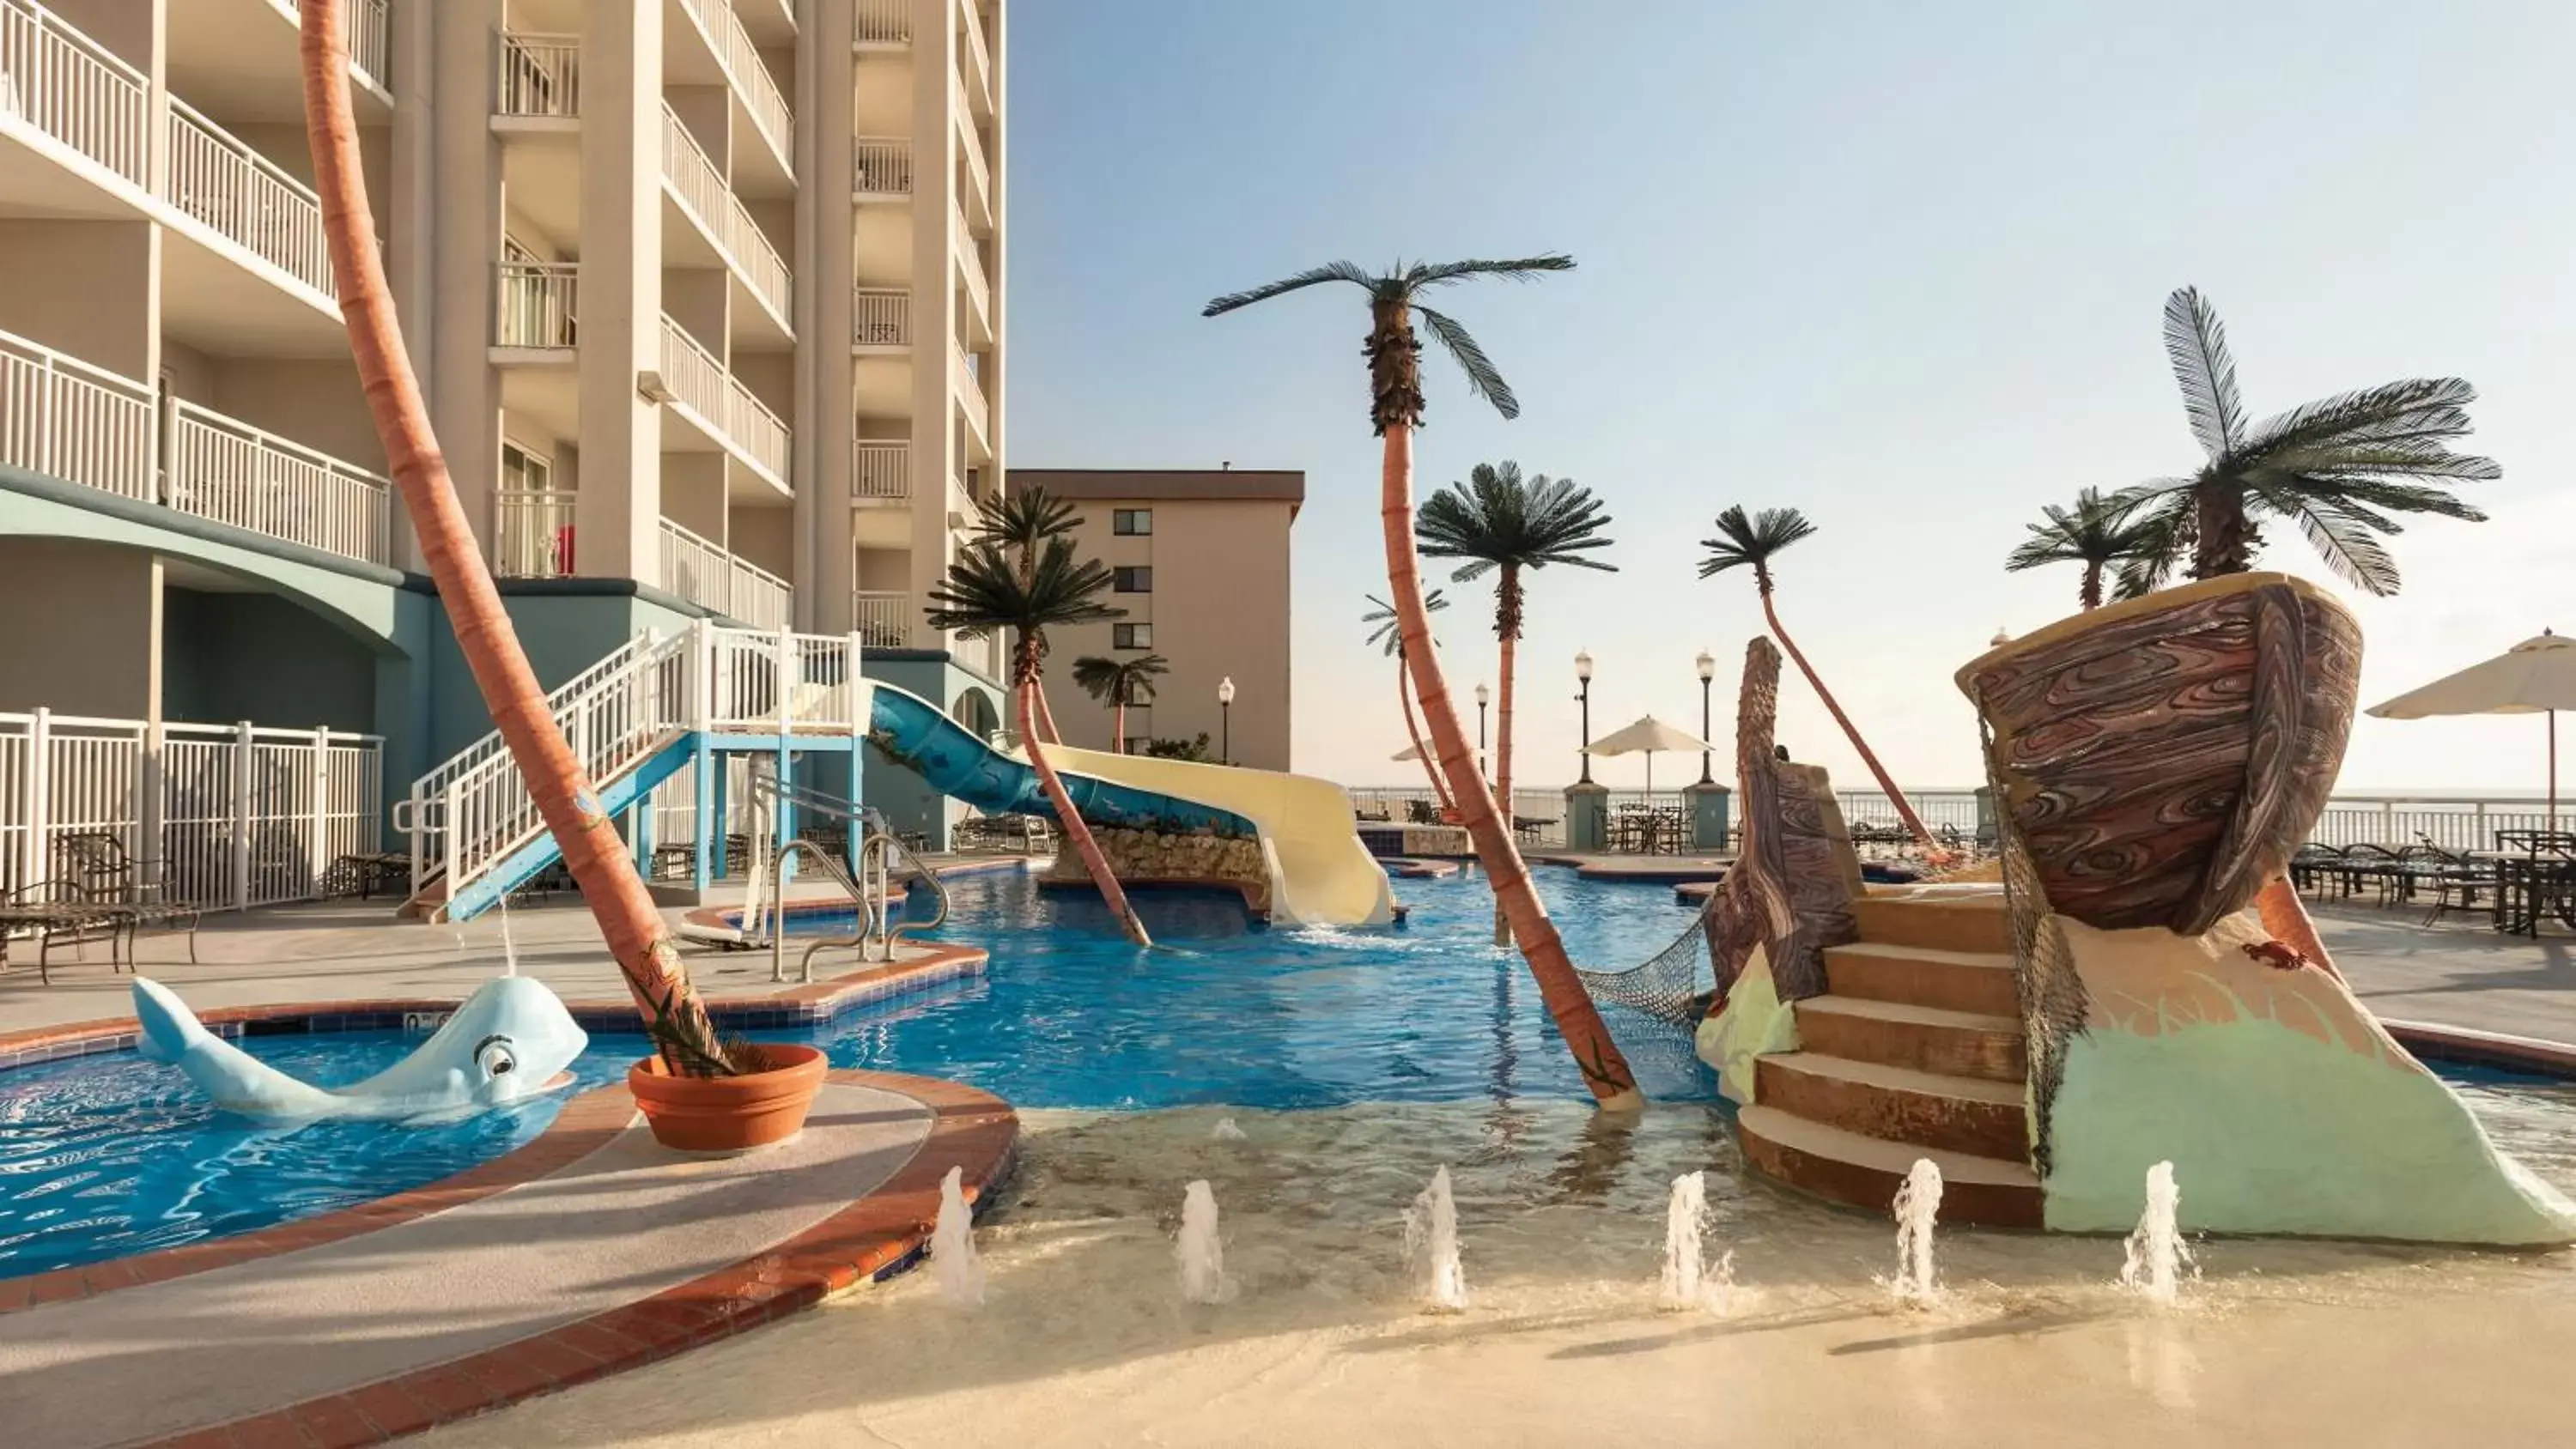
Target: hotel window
x,y
1131,522
1131,636
1132,581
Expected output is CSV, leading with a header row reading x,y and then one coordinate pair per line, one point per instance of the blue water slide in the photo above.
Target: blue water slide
x,y
914,733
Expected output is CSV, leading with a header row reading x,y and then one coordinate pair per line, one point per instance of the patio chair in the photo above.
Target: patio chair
x,y
58,908
2457,881
2312,866
2365,864
97,862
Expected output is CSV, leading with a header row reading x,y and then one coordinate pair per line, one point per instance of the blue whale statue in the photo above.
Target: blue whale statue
x,y
510,1040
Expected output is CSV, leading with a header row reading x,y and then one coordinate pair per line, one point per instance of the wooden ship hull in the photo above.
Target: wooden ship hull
x,y
2160,759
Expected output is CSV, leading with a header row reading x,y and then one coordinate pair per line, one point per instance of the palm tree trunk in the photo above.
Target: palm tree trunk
x,y
684,1037
1118,727
1509,588
1604,1069
1868,757
1046,715
1069,819
2223,541
2091,594
1413,731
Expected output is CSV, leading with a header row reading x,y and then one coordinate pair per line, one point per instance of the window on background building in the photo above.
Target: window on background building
x,y
1131,636
1132,581
1131,522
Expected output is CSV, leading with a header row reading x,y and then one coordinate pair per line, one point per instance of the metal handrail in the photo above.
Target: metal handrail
x,y
777,907
877,921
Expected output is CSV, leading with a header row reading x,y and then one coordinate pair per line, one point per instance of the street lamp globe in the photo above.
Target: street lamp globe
x,y
1583,664
1707,666
1225,690
1482,694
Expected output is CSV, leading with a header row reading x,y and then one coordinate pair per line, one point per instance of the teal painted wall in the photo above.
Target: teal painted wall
x,y
263,658
563,635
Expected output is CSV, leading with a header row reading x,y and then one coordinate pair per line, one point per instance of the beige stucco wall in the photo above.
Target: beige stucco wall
x,y
82,628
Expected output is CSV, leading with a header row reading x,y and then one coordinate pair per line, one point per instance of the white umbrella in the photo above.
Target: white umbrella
x,y
2536,676
1647,736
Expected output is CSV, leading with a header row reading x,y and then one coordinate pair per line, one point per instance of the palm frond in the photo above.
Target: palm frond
x,y
2096,531
1753,541
983,591
1519,269
1120,681
1386,629
1026,518
1501,516
2164,513
2346,543
1482,378
2196,343
1329,272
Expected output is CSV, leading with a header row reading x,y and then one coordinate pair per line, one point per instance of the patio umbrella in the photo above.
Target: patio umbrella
x,y
1647,736
2536,676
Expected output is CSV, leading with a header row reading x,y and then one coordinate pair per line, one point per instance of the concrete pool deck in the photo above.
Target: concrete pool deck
x,y
591,1250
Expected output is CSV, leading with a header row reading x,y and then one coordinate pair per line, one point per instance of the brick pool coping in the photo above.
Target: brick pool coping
x,y
869,1240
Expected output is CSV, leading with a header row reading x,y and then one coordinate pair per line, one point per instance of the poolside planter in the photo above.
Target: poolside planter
x,y
729,1114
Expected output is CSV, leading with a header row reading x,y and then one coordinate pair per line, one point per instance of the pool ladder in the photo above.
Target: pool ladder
x,y
878,907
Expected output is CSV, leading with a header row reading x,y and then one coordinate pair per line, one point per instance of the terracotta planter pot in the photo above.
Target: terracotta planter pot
x,y
729,1114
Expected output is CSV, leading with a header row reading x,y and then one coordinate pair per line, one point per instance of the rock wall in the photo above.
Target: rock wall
x,y
1151,857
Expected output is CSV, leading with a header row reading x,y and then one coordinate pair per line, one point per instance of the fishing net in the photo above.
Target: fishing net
x,y
1673,985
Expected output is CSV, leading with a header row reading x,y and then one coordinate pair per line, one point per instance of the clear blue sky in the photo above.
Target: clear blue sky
x,y
1899,265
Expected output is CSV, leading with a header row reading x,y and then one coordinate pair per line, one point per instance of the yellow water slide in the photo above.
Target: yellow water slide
x,y
1321,874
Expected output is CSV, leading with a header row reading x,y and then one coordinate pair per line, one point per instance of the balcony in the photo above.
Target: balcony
x,y
966,374
881,472
970,268
978,59
718,405
880,319
736,58
63,418
242,197
65,92
537,79
975,186
880,24
705,574
881,168
965,511
535,307
532,533
239,58
720,218
884,620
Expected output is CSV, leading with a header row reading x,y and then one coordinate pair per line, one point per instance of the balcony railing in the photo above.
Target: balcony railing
x,y
979,59
881,166
74,90
539,75
881,22
881,470
880,317
64,418
227,470
705,574
883,620
970,387
970,262
741,61
723,405
363,22
532,534
965,510
536,305
702,189
243,197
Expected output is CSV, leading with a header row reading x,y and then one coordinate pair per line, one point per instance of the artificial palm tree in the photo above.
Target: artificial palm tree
x,y
1020,524
2339,468
2097,532
629,921
985,593
1387,630
1753,543
1395,387
1120,683
1502,522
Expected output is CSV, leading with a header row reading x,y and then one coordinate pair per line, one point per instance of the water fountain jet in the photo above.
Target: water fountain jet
x,y
2156,1253
1918,1207
953,1260
1431,1244
1202,1256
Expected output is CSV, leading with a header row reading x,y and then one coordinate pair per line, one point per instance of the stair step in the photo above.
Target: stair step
x,y
1898,1104
1978,981
1962,922
1864,1172
1922,1038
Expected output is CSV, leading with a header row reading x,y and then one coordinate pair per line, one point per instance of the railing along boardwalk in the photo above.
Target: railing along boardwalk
x,y
538,76
751,80
74,91
702,189
64,418
243,197
720,401
216,816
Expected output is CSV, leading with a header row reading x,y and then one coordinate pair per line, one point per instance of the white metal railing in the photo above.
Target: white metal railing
x,y
532,533
970,386
979,58
536,304
704,572
881,166
742,66
225,469
538,75
966,509
970,144
217,816
701,188
883,619
723,405
243,197
881,22
881,469
363,27
970,262
68,86
64,418
880,317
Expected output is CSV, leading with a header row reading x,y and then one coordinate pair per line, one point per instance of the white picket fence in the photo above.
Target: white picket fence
x,y
220,816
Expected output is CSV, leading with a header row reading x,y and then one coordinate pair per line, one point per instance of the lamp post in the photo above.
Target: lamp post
x,y
1707,671
1482,694
1225,718
1583,677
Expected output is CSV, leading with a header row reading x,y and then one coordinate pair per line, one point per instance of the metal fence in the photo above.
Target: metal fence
x,y
219,816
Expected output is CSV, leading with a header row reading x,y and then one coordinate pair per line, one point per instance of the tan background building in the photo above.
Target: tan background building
x,y
1202,556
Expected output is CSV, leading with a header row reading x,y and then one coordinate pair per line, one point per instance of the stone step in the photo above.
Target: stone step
x,y
1957,923
1897,1104
1864,1172
1923,1038
1978,981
